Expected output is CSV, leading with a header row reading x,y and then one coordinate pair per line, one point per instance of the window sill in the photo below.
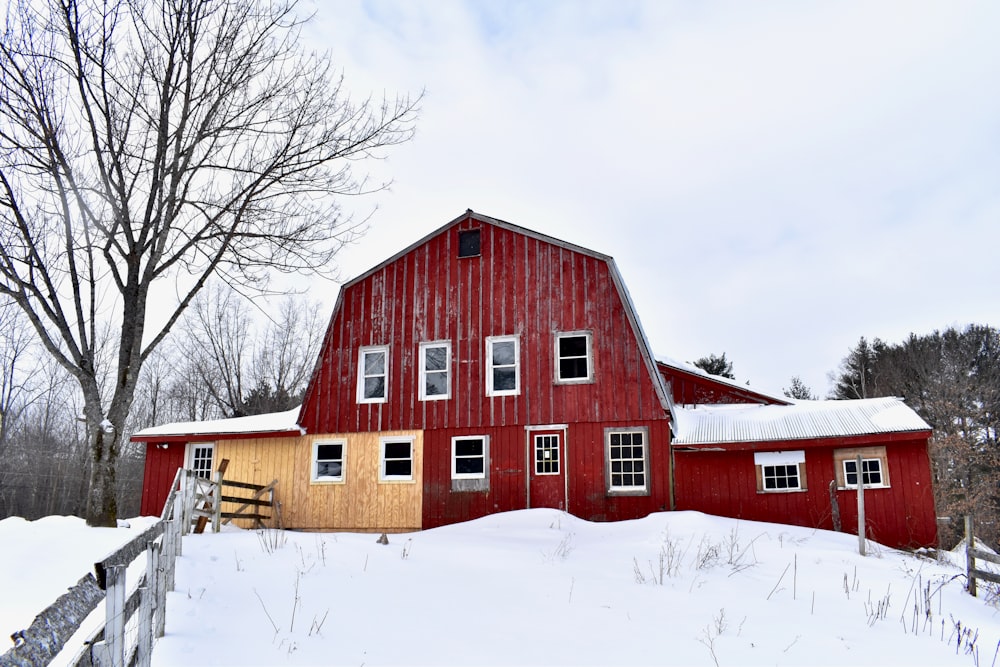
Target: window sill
x,y
397,481
868,487
627,492
771,492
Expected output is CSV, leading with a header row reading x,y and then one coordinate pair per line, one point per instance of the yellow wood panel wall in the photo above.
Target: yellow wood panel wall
x,y
360,503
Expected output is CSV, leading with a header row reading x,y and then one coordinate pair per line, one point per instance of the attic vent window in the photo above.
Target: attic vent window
x,y
468,243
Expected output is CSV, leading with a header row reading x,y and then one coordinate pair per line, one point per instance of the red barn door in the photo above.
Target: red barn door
x,y
547,469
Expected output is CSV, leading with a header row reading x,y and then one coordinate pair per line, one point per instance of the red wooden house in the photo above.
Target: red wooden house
x,y
484,368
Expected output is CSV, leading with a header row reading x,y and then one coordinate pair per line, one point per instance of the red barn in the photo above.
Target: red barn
x,y
484,368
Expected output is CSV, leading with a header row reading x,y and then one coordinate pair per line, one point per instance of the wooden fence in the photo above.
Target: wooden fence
x,y
142,608
972,553
133,616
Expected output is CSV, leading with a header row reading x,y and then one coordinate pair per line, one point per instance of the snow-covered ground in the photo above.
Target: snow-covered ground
x,y
530,588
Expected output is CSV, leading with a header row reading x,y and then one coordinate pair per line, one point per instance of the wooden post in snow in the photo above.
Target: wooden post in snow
x,y
861,508
970,559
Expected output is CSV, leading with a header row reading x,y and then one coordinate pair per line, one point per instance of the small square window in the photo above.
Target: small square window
x,y
468,243
874,467
871,472
328,461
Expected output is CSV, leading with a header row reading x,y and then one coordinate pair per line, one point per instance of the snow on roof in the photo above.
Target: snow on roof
x,y
266,423
695,370
716,424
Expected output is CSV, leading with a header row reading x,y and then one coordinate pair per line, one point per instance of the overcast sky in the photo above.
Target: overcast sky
x,y
773,179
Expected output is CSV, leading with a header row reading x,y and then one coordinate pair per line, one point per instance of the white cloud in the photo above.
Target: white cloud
x,y
775,180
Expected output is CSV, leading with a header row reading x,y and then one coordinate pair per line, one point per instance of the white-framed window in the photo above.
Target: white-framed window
x,y
200,457
627,461
780,472
503,366
469,456
373,374
396,459
329,460
435,370
574,357
874,467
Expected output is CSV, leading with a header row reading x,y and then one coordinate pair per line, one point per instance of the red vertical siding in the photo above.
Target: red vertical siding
x,y
162,462
725,484
518,285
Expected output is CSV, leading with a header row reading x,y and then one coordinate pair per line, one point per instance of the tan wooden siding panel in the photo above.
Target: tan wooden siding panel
x,y
361,502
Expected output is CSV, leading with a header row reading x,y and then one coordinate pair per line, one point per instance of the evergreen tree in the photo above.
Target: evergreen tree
x,y
799,391
714,365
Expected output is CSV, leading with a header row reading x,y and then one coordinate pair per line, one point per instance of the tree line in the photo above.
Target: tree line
x,y
227,359
952,379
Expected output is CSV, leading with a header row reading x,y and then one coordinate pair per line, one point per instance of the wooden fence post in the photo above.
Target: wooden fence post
x,y
861,507
217,506
970,559
834,506
111,651
185,491
170,536
144,640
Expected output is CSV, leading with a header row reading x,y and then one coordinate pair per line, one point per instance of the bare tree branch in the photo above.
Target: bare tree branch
x,y
171,140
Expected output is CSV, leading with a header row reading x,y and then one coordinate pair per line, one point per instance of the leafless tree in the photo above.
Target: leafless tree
x,y
160,143
247,364
15,378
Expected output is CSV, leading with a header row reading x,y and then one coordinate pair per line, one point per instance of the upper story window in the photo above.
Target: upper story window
x,y
468,243
373,374
435,363
503,376
574,357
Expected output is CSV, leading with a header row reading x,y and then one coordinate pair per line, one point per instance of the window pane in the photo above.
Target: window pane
x,y
573,346
327,452
469,447
468,243
374,363
397,450
472,466
436,384
328,469
503,353
398,468
375,387
572,368
504,379
435,358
